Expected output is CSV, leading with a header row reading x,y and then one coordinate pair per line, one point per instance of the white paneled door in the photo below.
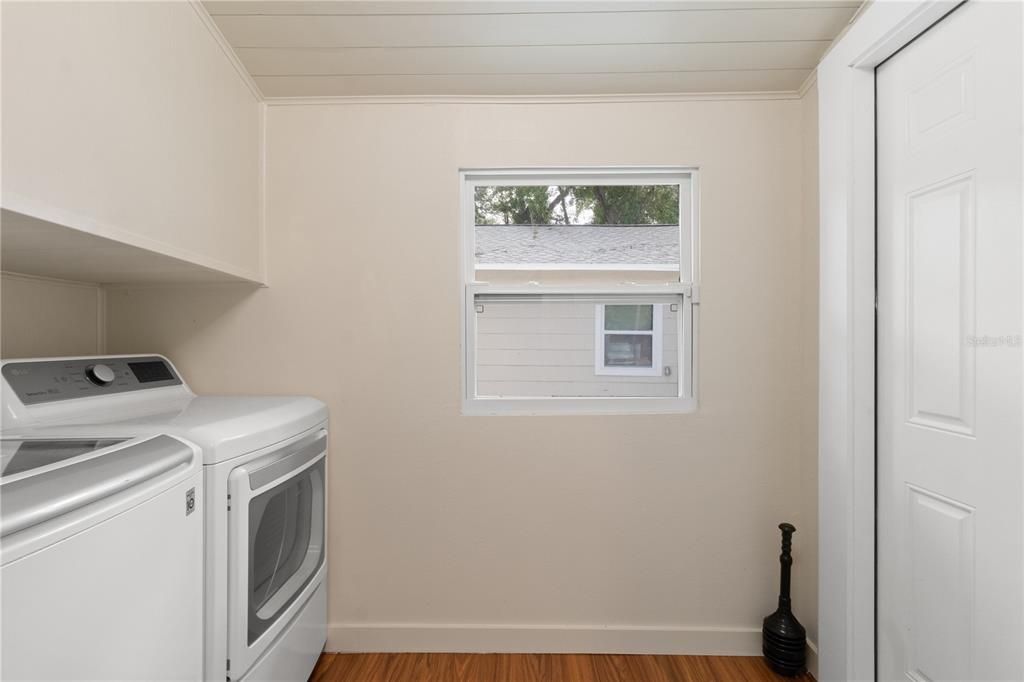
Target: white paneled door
x,y
950,474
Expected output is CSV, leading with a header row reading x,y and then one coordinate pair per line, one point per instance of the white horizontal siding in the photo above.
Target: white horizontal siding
x,y
539,342
544,374
536,325
496,310
535,349
571,389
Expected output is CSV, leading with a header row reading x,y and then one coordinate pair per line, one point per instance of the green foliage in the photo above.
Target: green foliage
x,y
578,205
512,206
631,204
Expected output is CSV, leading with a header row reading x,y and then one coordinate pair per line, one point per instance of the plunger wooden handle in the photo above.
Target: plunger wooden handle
x,y
786,559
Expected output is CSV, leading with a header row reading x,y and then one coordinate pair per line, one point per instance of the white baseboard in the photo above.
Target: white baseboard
x,y
812,658
397,637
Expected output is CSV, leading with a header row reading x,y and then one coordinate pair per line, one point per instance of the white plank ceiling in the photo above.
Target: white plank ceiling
x,y
301,48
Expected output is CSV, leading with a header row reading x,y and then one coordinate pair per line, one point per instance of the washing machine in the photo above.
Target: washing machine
x,y
101,551
264,473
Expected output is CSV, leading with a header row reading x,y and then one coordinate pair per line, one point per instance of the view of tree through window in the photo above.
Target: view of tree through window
x,y
577,205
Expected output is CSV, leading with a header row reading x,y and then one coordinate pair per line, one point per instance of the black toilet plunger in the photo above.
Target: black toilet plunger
x,y
784,638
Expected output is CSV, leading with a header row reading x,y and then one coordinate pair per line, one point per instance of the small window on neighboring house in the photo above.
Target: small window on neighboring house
x,y
629,340
580,290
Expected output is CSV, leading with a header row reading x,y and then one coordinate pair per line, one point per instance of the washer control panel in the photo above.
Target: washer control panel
x,y
45,381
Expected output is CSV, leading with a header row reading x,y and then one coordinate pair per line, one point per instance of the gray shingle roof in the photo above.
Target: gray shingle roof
x,y
577,244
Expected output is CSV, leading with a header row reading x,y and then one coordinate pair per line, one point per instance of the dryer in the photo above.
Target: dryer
x,y
264,473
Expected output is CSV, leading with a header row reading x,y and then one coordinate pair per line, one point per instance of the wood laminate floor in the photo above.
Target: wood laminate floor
x,y
541,668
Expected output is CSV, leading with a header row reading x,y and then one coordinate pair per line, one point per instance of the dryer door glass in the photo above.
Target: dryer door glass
x,y
286,545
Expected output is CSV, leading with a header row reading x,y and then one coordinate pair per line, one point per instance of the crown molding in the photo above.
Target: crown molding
x,y
809,82
534,99
226,48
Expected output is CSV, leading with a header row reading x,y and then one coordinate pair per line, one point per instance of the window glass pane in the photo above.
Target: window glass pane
x,y
542,346
567,232
629,317
577,205
628,350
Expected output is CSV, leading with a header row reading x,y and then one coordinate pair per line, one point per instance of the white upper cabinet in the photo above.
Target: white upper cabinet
x,y
131,145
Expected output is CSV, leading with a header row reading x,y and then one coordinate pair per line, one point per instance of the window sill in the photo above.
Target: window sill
x,y
543,407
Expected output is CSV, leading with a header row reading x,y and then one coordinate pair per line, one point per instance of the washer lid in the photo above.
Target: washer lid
x,y
39,494
18,455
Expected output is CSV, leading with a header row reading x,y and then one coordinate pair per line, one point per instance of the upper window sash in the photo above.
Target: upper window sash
x,y
578,176
642,291
685,177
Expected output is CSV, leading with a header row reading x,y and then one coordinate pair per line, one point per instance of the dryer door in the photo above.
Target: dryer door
x,y
276,544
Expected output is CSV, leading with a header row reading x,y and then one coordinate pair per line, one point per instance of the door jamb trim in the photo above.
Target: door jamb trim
x,y
857,515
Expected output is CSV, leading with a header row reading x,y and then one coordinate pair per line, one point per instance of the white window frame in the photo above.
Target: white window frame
x,y
657,342
685,292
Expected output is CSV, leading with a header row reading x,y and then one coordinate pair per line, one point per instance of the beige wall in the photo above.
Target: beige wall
x,y
125,119
45,317
630,532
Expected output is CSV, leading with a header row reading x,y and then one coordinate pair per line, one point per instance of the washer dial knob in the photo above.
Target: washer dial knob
x,y
101,375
